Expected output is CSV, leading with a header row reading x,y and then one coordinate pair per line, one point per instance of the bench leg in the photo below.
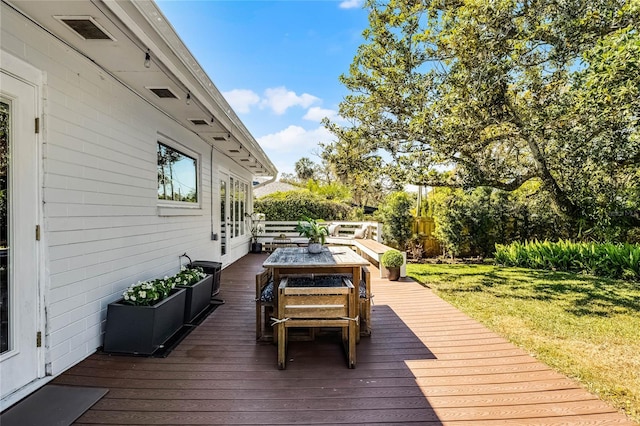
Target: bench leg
x,y
258,320
282,346
351,353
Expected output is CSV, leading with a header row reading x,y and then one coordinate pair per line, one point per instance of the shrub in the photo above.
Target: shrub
x,y
398,220
392,259
292,205
605,260
471,222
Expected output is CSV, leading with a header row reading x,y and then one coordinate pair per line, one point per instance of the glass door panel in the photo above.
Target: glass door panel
x,y
223,215
5,209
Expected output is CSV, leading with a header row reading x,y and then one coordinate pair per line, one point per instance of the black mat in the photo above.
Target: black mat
x,y
52,405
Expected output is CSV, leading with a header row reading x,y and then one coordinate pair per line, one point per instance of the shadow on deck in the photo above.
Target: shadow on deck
x,y
426,363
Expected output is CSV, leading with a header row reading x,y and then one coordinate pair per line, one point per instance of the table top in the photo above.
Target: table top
x,y
299,257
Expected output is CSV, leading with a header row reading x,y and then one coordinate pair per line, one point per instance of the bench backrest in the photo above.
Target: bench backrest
x,y
262,279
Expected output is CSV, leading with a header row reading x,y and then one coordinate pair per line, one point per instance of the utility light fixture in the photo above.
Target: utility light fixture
x,y
147,59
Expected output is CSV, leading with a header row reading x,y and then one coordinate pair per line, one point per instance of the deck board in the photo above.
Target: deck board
x,y
426,362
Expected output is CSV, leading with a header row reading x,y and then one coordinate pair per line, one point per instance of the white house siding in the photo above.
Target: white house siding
x,y
101,228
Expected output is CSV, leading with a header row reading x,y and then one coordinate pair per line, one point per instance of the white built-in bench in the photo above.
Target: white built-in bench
x,y
374,251
281,234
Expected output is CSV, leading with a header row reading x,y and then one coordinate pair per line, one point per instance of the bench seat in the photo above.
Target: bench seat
x,y
374,251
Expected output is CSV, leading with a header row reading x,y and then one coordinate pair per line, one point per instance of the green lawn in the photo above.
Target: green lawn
x,y
585,327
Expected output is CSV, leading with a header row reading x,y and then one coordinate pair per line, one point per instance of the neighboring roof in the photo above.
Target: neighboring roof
x,y
272,187
135,28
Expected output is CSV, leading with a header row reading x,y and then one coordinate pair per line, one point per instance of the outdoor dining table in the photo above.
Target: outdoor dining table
x,y
292,261
331,260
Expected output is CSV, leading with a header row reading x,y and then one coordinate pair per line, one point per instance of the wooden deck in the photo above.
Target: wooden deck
x,y
426,363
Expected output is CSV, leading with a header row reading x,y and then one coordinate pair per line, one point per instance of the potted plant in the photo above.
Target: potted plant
x,y
149,313
315,231
392,260
198,287
256,227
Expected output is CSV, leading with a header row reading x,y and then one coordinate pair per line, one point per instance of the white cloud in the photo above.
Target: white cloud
x,y
317,114
295,139
279,99
350,4
241,100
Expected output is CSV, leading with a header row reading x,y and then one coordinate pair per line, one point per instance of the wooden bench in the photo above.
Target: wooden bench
x,y
265,296
365,303
374,251
317,306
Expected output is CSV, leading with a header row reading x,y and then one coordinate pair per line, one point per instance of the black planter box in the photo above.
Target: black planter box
x,y
197,299
143,329
213,268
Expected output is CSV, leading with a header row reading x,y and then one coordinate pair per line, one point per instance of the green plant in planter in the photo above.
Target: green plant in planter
x,y
314,229
392,259
147,293
256,227
188,277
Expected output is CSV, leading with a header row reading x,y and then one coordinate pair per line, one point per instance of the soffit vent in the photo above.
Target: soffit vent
x,y
163,92
86,27
234,150
199,121
221,137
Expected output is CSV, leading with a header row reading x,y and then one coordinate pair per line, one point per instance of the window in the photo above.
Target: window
x,y
177,175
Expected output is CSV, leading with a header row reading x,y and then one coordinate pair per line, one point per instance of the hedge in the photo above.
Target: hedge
x,y
293,205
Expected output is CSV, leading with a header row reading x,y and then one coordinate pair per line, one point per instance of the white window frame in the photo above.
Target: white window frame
x,y
180,208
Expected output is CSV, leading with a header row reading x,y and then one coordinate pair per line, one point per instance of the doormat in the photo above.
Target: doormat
x,y
52,405
164,350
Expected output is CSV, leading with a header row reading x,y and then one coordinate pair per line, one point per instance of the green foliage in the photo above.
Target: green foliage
x,y
313,229
605,260
470,223
502,93
292,205
148,293
392,259
331,191
305,169
354,163
397,218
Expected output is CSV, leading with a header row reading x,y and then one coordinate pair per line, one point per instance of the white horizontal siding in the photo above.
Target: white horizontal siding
x,y
101,226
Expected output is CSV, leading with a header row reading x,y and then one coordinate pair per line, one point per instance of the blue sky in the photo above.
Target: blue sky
x,y
276,62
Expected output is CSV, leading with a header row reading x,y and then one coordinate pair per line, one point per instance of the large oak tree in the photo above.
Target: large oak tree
x,y
469,93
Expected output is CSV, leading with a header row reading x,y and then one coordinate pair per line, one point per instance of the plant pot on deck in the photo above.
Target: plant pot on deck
x,y
143,329
198,297
394,274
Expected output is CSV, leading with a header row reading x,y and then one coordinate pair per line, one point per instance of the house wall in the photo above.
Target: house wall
x,y
102,230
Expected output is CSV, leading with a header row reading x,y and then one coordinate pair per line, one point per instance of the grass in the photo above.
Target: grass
x,y
585,327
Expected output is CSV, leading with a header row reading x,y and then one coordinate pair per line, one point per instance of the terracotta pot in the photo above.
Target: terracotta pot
x,y
394,274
